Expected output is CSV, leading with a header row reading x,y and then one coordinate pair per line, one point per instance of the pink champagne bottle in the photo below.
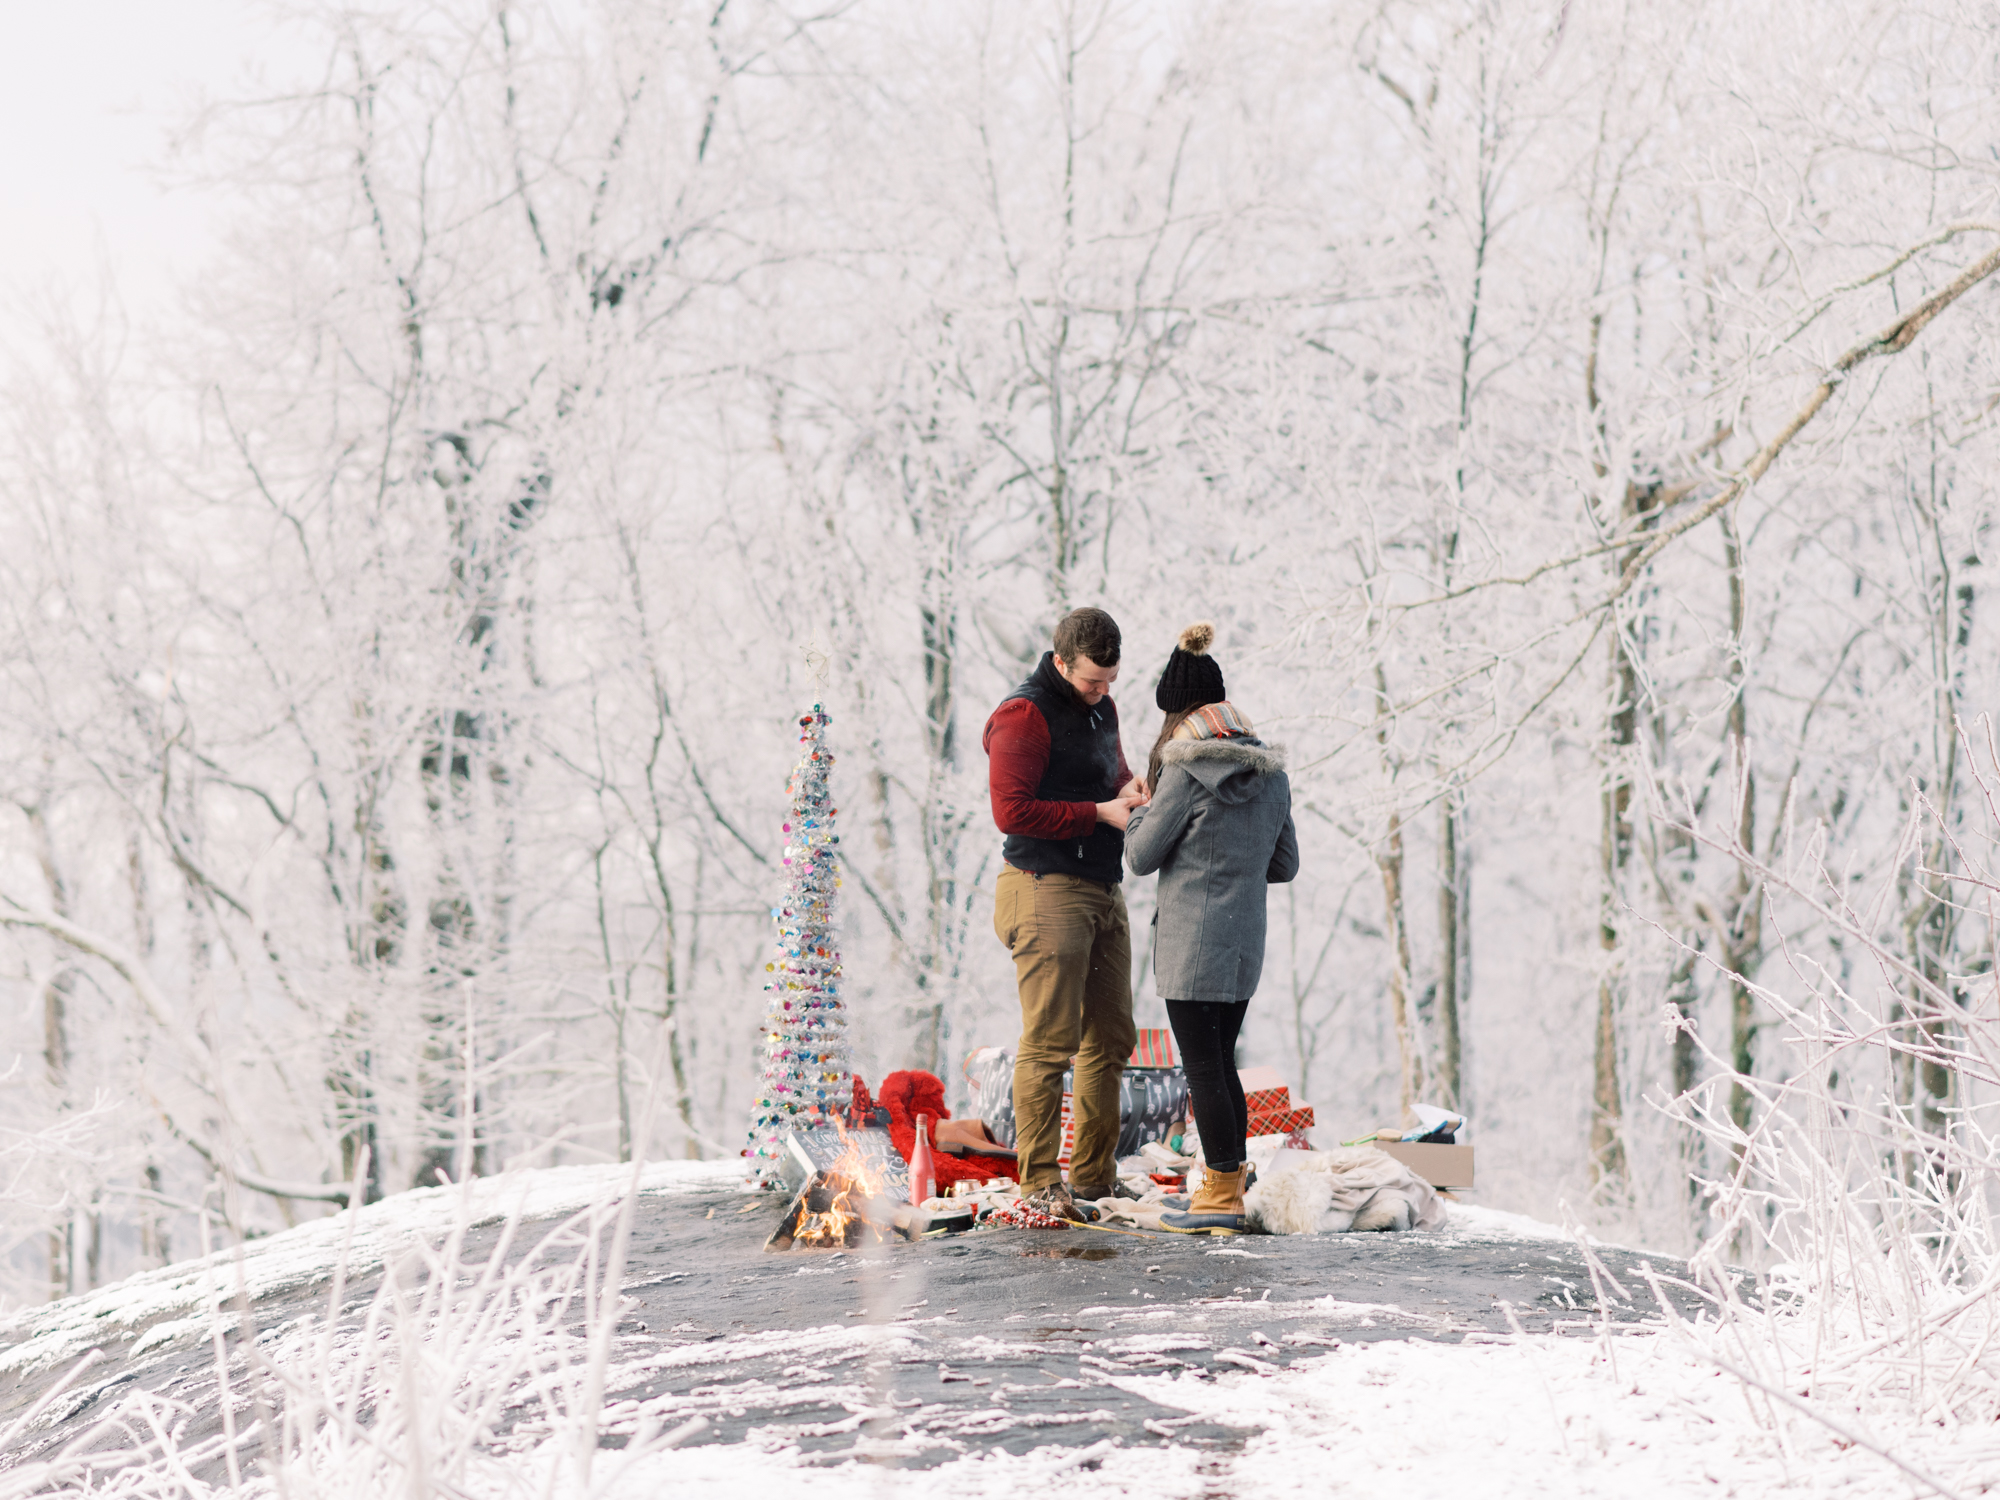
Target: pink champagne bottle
x,y
923,1170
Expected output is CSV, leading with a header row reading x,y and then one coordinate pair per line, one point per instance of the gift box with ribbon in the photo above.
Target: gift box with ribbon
x,y
1154,1049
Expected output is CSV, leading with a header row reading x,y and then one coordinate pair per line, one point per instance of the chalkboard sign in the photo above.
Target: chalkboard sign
x,y
811,1152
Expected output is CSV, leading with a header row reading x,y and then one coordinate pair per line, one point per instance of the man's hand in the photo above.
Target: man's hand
x,y
1118,811
1137,790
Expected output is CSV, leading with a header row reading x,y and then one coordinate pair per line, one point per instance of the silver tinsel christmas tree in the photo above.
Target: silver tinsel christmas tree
x,y
808,1074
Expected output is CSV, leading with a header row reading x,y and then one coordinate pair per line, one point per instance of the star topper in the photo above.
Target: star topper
x,y
817,661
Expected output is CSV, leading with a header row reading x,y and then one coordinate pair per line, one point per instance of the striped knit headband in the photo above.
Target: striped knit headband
x,y
1214,721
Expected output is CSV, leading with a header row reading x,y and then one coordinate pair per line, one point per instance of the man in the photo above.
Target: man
x,y
1062,794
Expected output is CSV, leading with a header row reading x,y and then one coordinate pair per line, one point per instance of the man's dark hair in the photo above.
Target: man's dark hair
x,y
1088,632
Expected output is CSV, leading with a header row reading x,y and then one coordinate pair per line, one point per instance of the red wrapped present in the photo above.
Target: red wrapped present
x,y
1154,1049
1268,1101
1264,1090
1281,1122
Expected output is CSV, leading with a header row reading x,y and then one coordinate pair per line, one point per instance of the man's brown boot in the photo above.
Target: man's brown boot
x,y
1215,1208
1056,1200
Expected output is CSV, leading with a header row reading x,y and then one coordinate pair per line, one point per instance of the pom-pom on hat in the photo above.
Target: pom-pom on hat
x,y
1192,677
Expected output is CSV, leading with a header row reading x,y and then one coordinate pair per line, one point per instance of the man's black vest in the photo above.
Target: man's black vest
x,y
1083,767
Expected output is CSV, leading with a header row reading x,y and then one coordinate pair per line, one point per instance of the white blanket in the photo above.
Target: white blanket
x,y
1330,1192
1314,1192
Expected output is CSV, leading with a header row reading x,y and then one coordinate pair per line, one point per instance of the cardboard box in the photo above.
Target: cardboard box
x,y
1440,1166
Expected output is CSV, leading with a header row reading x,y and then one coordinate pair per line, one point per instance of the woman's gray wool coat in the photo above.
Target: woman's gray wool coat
x,y
1219,829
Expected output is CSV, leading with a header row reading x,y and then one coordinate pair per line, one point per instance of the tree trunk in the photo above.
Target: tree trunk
x,y
1409,1044
1930,1084
670,1016
1934,930
1607,1145
154,1244
619,1004
380,937
1742,923
56,994
1454,950
1685,1063
944,926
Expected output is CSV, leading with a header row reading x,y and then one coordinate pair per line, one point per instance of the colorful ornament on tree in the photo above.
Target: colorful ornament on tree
x,y
808,1077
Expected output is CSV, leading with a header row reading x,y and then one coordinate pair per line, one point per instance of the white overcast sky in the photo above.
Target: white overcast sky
x,y
88,92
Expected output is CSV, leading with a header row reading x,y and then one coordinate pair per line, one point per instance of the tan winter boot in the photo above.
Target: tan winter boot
x,y
1215,1208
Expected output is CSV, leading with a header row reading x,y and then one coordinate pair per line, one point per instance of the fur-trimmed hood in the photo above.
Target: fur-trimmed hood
x,y
1253,753
1228,768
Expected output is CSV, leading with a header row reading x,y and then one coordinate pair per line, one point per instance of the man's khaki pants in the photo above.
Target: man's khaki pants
x,y
1072,952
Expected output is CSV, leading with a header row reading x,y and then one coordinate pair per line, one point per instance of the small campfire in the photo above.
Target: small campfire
x,y
831,1212
850,1188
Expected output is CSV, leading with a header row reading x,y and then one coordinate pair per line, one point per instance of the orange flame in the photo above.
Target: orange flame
x,y
851,1177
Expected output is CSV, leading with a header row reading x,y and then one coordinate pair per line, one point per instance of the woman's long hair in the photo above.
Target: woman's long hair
x,y
1173,721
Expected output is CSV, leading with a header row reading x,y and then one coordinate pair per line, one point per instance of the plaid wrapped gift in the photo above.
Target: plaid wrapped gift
x,y
1155,1048
1264,1090
1268,1101
1281,1122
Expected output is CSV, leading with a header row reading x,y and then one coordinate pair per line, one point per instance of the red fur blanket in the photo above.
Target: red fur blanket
x,y
909,1094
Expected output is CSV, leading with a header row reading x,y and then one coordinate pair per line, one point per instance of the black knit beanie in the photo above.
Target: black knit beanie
x,y
1192,678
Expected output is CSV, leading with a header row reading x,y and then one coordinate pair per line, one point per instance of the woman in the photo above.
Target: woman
x,y
1218,829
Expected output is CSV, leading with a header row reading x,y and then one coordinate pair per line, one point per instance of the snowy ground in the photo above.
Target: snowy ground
x,y
1542,1417
1157,1366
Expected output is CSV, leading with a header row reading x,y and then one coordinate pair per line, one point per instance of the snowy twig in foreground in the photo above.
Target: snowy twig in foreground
x,y
1548,1391
1860,1174
459,1370
27,1419
609,1293
1839,1429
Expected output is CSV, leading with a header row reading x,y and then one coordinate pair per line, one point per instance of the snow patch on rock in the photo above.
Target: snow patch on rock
x,y
40,1337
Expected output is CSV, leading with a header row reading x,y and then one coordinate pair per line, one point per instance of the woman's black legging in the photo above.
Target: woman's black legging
x,y
1207,1037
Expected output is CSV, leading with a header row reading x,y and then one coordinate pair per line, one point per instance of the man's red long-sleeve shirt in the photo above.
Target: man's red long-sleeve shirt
x,y
1017,744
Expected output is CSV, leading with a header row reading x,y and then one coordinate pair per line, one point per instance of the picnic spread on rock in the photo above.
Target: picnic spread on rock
x,y
858,1166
